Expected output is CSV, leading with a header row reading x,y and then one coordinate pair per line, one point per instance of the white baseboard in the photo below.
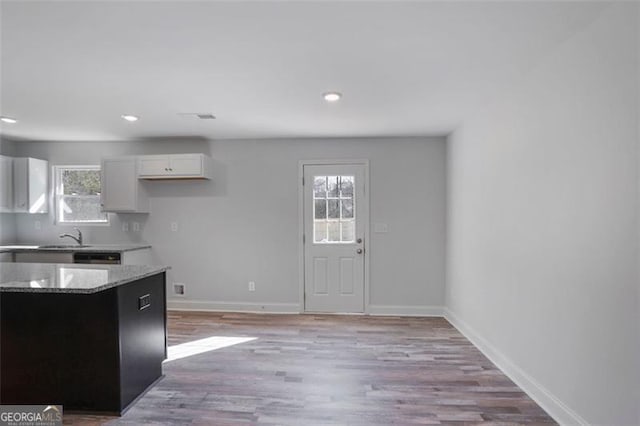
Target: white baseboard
x,y
406,311
294,308
208,306
542,396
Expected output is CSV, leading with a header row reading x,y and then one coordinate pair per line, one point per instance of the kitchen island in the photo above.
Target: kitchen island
x,y
88,337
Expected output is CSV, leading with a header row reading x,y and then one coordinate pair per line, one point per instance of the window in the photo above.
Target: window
x,y
77,195
333,209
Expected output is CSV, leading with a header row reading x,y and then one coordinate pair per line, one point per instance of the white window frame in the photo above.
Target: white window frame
x,y
57,195
340,220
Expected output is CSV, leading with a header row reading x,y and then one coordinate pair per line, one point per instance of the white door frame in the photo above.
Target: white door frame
x,y
367,241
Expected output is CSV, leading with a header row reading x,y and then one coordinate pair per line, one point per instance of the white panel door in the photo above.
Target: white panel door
x,y
335,215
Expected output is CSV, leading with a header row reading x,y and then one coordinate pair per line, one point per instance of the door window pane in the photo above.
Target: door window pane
x,y
320,209
320,186
348,231
333,231
320,231
332,186
334,209
346,186
347,209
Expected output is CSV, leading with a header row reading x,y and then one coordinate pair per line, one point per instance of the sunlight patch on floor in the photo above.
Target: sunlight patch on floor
x,y
200,346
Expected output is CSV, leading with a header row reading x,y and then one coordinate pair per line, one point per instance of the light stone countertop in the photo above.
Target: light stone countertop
x,y
70,278
91,248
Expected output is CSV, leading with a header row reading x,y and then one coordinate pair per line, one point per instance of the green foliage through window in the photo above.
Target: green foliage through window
x,y
81,182
78,191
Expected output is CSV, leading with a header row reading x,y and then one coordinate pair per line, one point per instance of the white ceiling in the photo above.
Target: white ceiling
x,y
70,69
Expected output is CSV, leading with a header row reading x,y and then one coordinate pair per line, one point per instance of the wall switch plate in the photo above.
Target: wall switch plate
x,y
174,226
38,225
252,286
125,226
136,226
179,289
380,228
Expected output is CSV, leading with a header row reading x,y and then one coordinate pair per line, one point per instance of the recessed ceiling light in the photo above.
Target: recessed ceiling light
x,y
9,120
332,96
129,117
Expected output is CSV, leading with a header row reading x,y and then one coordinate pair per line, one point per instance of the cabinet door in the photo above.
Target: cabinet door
x,y
137,257
44,257
38,176
30,185
152,165
21,185
185,165
142,334
6,184
119,184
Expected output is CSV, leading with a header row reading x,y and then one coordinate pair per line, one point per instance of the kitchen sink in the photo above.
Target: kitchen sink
x,y
63,246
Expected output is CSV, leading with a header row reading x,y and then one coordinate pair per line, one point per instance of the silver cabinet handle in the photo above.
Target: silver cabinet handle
x,y
359,241
359,251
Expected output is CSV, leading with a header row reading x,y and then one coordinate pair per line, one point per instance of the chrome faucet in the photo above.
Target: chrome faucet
x,y
78,239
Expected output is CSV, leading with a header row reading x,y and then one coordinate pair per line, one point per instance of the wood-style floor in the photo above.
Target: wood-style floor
x,y
327,370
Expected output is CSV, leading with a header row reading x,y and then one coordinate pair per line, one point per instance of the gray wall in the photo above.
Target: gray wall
x,y
8,233
638,212
243,225
542,226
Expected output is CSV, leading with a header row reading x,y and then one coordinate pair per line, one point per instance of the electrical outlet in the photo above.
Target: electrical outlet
x,y
38,225
174,226
252,286
125,226
136,226
179,289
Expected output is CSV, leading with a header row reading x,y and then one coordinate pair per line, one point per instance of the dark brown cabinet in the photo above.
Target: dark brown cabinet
x,y
88,352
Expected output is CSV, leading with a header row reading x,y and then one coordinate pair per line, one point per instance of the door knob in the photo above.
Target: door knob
x,y
359,251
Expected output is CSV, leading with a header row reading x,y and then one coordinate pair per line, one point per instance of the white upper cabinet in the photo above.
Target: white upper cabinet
x,y
153,165
177,166
30,185
6,184
121,190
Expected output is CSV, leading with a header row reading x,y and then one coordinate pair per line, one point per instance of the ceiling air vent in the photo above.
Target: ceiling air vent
x,y
198,115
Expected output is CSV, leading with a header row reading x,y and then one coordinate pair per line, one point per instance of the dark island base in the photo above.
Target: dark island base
x,y
88,352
